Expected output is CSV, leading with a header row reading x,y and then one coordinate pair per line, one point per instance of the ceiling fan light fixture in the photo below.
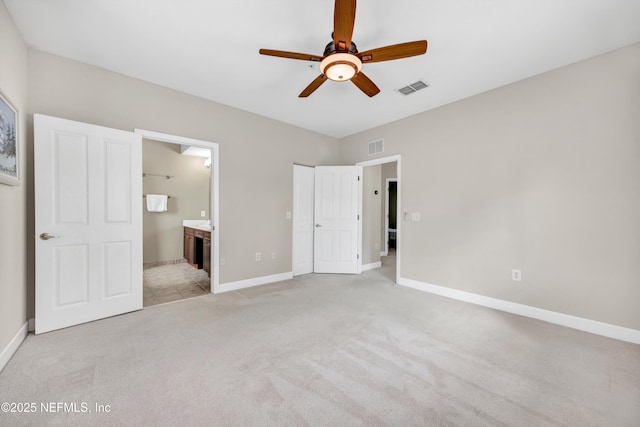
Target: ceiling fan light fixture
x,y
340,67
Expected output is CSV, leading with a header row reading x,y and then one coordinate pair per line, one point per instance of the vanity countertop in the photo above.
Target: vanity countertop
x,y
198,224
200,227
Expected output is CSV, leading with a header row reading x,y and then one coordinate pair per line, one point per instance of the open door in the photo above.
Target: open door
x,y
336,219
88,188
303,225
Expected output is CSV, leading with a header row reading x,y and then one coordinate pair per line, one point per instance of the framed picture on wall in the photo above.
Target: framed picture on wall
x,y
9,156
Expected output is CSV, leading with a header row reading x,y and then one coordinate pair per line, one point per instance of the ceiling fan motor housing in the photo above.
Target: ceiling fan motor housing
x,y
330,49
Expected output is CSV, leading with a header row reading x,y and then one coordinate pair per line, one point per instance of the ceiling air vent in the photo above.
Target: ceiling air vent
x,y
376,147
413,87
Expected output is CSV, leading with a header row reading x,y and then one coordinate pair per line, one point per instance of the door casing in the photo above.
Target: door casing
x,y
215,193
390,159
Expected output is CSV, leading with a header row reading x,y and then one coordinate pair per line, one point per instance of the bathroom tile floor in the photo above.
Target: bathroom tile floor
x,y
173,282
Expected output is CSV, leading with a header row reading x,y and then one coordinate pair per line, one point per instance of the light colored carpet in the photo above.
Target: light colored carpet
x,y
325,350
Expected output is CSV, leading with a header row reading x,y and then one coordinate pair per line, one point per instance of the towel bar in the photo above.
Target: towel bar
x,y
155,174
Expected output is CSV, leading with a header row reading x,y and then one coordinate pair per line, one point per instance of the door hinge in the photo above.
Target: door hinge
x,y
358,217
358,256
358,177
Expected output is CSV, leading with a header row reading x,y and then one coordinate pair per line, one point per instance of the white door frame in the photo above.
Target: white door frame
x,y
390,159
214,186
386,215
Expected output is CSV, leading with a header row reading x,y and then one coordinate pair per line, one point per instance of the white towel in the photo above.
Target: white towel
x,y
157,202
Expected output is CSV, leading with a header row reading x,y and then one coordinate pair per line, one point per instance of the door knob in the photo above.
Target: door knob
x,y
318,225
47,236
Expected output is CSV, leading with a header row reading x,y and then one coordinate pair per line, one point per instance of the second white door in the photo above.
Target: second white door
x,y
303,188
336,219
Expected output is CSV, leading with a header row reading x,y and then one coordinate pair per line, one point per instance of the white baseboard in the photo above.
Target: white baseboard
x,y
13,345
384,253
371,266
582,324
256,281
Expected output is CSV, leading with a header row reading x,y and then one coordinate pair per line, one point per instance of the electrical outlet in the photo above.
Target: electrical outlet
x,y
516,275
258,256
415,216
376,246
273,255
203,214
288,214
221,261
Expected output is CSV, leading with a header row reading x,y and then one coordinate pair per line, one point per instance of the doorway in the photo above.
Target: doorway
x,y
176,221
193,209
390,214
390,172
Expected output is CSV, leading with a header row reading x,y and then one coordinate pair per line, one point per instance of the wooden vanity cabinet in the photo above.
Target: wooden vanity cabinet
x,y
197,248
189,246
206,253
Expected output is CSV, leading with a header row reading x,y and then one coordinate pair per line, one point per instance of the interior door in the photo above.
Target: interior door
x,y
88,203
303,189
336,219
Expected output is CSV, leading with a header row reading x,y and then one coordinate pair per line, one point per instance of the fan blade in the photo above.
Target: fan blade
x,y
344,17
396,51
313,86
291,55
365,84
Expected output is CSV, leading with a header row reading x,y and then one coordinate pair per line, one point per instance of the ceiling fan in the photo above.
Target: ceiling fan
x,y
342,61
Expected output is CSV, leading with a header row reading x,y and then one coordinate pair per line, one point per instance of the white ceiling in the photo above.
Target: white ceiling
x,y
209,48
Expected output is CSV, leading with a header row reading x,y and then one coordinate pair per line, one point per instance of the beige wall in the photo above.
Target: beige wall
x,y
13,199
542,175
256,153
371,218
188,189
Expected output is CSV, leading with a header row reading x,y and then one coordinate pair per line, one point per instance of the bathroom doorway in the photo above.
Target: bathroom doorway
x,y
180,237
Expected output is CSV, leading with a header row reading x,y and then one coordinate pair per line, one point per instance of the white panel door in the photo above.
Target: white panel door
x,y
303,188
88,203
336,219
